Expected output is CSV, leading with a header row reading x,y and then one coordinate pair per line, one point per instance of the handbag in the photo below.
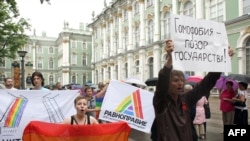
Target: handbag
x,y
239,103
207,111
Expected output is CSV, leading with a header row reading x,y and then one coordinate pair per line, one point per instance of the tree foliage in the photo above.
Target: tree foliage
x,y
12,28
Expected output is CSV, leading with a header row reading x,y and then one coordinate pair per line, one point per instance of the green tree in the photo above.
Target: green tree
x,y
12,27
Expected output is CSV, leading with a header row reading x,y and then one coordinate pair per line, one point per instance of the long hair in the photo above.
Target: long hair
x,y
177,73
39,74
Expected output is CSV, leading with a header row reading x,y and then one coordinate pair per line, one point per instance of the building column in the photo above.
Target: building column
x,y
120,31
174,6
104,40
119,63
157,59
199,9
130,28
130,64
142,23
111,37
156,20
142,63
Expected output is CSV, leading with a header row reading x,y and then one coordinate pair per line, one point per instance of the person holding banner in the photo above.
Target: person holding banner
x,y
172,107
80,118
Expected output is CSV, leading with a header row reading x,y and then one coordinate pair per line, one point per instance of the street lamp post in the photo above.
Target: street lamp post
x,y
22,55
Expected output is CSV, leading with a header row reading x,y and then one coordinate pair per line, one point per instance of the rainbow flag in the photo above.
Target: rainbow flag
x,y
43,131
98,105
15,113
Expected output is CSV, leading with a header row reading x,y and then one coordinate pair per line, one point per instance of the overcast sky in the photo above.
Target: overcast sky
x,y
50,18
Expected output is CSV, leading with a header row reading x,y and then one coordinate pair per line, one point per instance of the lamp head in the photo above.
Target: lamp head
x,y
22,53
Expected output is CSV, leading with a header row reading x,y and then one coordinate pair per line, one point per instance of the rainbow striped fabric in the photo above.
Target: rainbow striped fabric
x,y
15,113
43,131
98,105
131,105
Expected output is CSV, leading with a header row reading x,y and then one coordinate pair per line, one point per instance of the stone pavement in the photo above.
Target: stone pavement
x,y
214,124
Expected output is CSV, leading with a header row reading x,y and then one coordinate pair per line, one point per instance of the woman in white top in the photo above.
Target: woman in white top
x,y
241,112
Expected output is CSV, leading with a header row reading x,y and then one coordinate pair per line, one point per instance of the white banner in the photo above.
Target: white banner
x,y
123,102
19,107
200,45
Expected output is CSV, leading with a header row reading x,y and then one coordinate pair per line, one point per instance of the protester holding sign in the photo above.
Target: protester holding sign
x,y
81,106
172,109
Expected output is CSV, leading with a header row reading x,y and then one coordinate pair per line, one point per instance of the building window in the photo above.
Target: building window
x,y
189,73
51,63
248,57
84,79
116,72
246,6
166,25
51,79
2,62
125,13
136,8
103,74
151,67
2,77
137,66
84,59
39,49
73,79
216,10
188,9
126,70
137,37
116,22
125,41
73,59
150,31
39,65
149,3
84,46
108,48
96,76
51,50
116,42
109,73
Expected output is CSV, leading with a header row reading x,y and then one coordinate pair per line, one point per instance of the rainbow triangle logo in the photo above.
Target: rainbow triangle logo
x,y
131,105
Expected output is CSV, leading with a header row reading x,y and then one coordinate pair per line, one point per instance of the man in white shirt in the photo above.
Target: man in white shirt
x,y
8,82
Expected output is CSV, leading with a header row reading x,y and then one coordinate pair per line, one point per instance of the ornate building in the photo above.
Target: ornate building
x,y
128,35
66,59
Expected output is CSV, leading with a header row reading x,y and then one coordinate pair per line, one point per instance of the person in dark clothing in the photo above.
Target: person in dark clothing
x,y
172,107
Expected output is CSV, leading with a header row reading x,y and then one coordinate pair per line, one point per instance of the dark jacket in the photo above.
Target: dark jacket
x,y
173,120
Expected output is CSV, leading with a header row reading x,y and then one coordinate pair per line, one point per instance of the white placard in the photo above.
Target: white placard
x,y
200,45
123,102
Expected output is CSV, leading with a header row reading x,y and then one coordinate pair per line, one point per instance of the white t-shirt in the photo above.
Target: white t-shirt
x,y
245,95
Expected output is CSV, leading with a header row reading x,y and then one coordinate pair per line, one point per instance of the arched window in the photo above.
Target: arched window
x,y
151,67
248,56
150,31
137,66
84,59
166,25
126,70
73,79
84,78
125,41
51,50
188,9
109,73
51,79
116,71
136,8
51,63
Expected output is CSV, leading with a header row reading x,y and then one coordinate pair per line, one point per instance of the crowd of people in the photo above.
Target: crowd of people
x,y
173,102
